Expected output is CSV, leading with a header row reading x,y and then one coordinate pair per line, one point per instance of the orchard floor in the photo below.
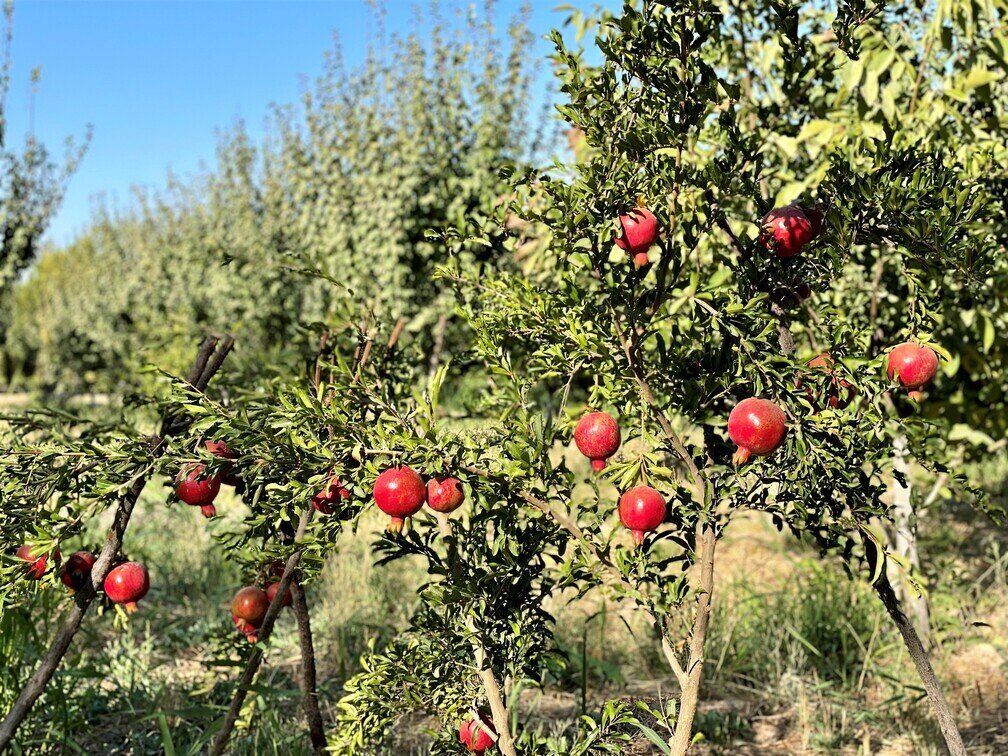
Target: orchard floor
x,y
800,659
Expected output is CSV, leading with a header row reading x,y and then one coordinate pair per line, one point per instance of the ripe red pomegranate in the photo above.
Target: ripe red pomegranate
x,y
77,570
223,451
271,591
399,492
786,230
641,509
477,735
597,436
250,632
640,229
127,584
324,500
250,605
38,560
757,426
840,392
444,494
914,366
198,490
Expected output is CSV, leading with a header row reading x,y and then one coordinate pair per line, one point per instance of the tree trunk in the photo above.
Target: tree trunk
x,y
309,690
905,541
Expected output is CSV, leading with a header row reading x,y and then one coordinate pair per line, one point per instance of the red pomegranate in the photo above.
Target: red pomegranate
x,y
786,230
641,510
640,229
399,492
324,500
198,490
272,589
250,632
757,426
840,392
597,436
38,560
477,735
250,604
444,494
223,451
913,365
127,584
77,570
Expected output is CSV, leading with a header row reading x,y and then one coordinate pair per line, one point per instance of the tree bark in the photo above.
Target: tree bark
x,y
309,690
208,360
689,696
905,540
946,721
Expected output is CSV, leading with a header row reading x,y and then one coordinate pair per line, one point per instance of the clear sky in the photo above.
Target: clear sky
x,y
158,79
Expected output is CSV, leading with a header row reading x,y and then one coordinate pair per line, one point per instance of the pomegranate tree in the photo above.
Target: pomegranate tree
x,y
198,489
126,584
399,492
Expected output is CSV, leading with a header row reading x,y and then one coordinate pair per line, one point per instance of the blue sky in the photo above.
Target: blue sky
x,y
158,79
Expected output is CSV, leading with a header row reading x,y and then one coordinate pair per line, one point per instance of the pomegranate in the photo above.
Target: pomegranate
x,y
840,392
250,632
477,735
38,561
272,589
913,365
642,510
127,584
640,229
223,451
444,494
597,436
198,490
250,605
77,570
324,500
786,230
757,426
399,492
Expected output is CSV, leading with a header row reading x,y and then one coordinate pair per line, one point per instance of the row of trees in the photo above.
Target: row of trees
x,y
889,123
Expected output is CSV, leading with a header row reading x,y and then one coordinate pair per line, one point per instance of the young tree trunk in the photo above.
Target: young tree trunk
x,y
905,541
208,361
309,691
690,695
946,721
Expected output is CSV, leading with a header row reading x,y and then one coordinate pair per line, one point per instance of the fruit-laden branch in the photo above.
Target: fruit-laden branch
x,y
209,358
309,690
265,630
946,720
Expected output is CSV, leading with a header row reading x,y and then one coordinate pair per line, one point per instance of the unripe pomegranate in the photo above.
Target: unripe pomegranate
x,y
272,589
640,229
250,605
324,500
597,436
444,495
223,451
399,492
77,570
198,490
641,509
37,561
786,230
757,426
477,735
840,392
127,584
913,365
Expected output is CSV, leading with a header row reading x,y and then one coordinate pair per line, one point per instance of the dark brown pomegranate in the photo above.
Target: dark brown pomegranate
x,y
127,584
914,366
641,510
399,492
757,426
640,230
444,494
785,231
77,570
597,436
195,488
